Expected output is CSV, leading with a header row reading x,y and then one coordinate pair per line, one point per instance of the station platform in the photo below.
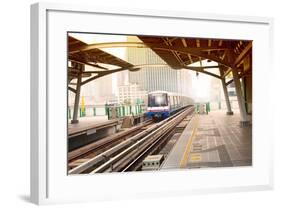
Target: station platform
x,y
93,128
213,140
96,122
86,123
90,129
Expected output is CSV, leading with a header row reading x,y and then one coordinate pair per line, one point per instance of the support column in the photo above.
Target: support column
x,y
226,96
241,102
77,98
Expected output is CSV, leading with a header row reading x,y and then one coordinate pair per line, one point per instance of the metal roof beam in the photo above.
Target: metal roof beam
x,y
195,52
243,53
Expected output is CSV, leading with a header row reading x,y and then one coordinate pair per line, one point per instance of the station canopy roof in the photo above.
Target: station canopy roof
x,y
177,52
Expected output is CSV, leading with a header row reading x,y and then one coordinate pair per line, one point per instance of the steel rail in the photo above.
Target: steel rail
x,y
152,148
79,152
150,139
105,156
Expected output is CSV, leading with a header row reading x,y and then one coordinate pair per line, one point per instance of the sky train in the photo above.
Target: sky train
x,y
161,104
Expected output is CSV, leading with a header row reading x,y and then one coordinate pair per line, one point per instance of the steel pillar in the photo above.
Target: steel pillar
x,y
241,102
77,98
226,96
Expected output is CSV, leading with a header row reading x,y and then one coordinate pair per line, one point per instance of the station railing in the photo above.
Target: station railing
x,y
202,107
114,111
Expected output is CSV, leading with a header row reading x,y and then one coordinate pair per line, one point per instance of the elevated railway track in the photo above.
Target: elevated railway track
x,y
125,151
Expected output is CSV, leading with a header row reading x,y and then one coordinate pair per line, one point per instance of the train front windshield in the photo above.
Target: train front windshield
x,y
157,100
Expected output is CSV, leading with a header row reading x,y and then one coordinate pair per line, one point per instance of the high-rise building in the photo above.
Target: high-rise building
x,y
131,94
151,78
97,92
184,82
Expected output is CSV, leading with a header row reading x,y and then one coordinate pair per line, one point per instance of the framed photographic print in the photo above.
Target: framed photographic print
x,y
129,104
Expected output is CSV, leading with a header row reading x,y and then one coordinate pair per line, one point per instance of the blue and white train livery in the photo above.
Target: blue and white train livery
x,y
162,104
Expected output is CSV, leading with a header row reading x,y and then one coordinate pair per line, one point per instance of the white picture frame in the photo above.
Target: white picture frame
x,y
49,180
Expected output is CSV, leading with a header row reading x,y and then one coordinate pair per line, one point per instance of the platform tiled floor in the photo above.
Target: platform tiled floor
x,y
213,140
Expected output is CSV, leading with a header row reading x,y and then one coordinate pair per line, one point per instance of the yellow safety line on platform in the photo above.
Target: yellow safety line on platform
x,y
195,157
186,153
